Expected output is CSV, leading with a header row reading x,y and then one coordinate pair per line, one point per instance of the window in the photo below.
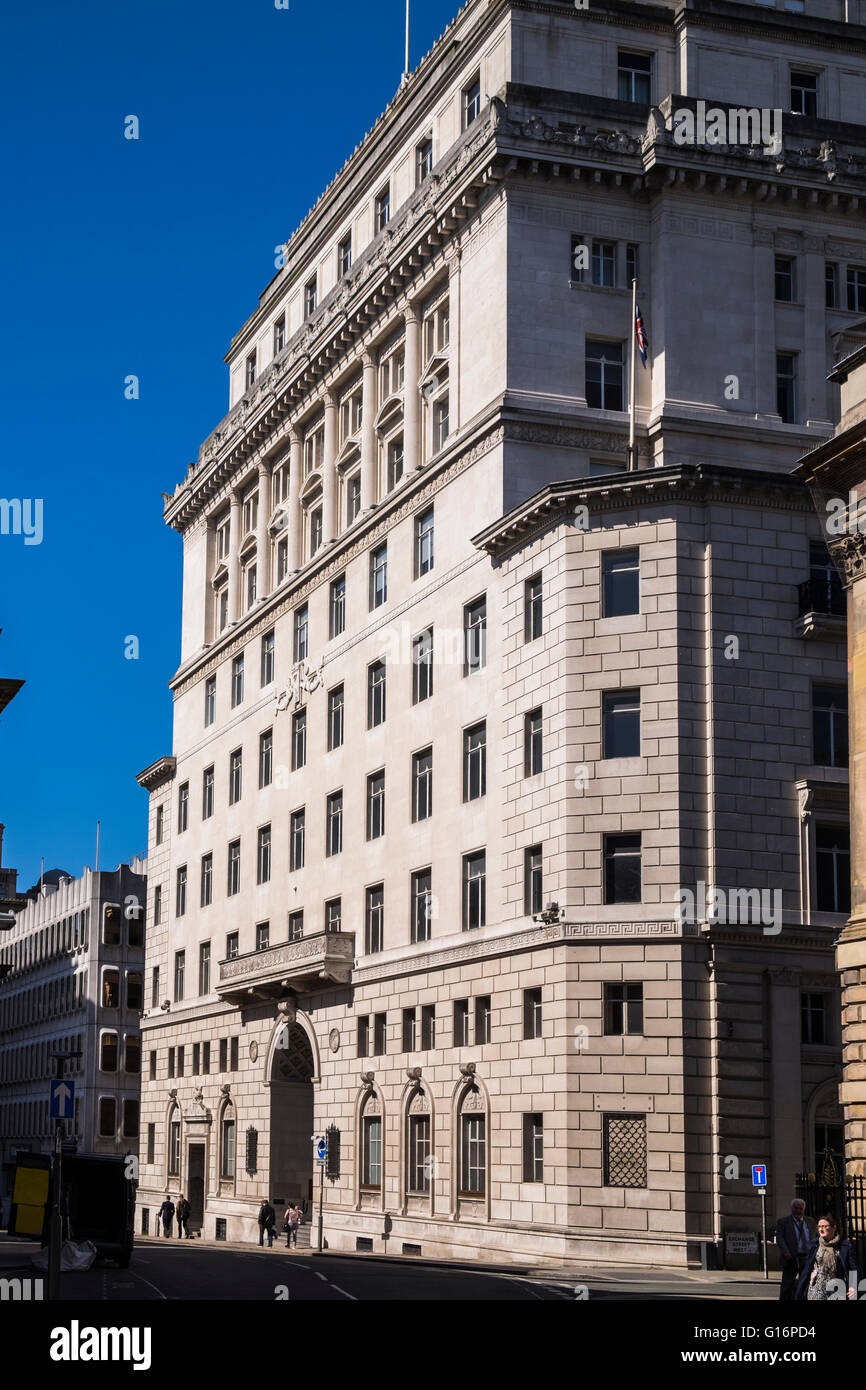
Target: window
x,y
180,898
856,281
483,1019
375,694
266,758
533,612
263,936
236,764
205,1054
171,1067
395,462
378,576
623,1009
422,784
134,990
315,531
624,1150
475,762
532,1017
224,1054
785,286
234,867
830,725
237,680
379,1034
620,583
159,828
299,739
196,1058
336,706
154,990
604,263
831,284
473,1155
279,335
296,925
267,659
632,263
474,890
422,904
424,543
622,868
337,607
250,512
634,77
344,255
437,329
251,370
180,1061
364,1035
209,700
302,632
375,805
227,1166
472,101
423,160
786,386
826,594
263,855
814,1015
428,1027
383,209
182,807
282,560
418,1154
334,915
604,375
353,499
371,1170
532,880
110,989
475,636
461,1023
179,975
441,424
311,297
374,919
621,724
532,743
204,969
233,1049
314,450
206,880
232,945
296,840
832,868
334,824
533,1148
422,666
410,1030
111,926
222,607
804,93
107,1117
151,1146
207,793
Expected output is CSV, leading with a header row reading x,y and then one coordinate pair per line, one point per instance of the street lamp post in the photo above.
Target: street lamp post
x,y
55,1228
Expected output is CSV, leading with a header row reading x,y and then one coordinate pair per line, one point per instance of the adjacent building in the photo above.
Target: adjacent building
x,y
505,826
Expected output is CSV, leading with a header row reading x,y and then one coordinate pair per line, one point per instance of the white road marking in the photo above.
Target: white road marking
x,y
343,1292
163,1296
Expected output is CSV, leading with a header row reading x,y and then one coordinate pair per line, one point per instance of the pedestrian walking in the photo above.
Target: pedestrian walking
x,y
794,1235
183,1214
166,1211
267,1222
294,1217
179,1214
829,1265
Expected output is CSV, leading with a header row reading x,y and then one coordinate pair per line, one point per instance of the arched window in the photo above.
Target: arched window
x,y
419,1144
174,1142
472,1145
371,1144
227,1143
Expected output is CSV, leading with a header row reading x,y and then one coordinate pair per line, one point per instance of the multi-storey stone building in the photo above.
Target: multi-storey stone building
x,y
71,980
485,749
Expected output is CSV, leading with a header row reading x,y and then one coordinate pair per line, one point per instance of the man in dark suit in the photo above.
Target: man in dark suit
x,y
793,1236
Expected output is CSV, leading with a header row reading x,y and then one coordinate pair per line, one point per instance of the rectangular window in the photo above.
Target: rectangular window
x,y
236,768
533,892
418,1154
623,1009
423,161
311,297
130,1118
831,284
441,422
475,762
151,1063
296,839
237,680
267,659
474,890
804,93
205,1058
422,666
533,615
266,758
395,460
170,1067
475,636
856,285
334,915
233,1050
180,1060
785,286
132,1059
378,576
334,824
196,1058
371,1174
302,632
263,936
296,925
224,1054
622,868
227,1166
632,263
376,805
473,1155
483,1019
461,1023
279,335
604,263
410,1030
424,543
620,583
422,904
374,919
634,76
207,793
471,102
532,743
232,945
375,694
345,255
621,724
182,807
786,386
604,375
179,974
234,868
533,1148
830,725
337,613
299,739
813,1018
364,1035
159,828
379,1034
422,784
428,1027
151,1143
263,855
532,1017
108,1052
624,1150
832,868
336,698
180,899
155,1000
107,1117
204,968
206,880
353,499
383,209
315,531
251,370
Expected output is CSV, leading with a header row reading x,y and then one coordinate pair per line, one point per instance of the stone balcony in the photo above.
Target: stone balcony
x,y
306,964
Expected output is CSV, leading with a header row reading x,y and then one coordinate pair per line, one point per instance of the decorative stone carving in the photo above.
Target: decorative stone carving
x,y
849,552
419,1104
334,1040
472,1101
303,680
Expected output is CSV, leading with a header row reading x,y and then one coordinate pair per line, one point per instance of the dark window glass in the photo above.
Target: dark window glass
x,y
422,784
475,762
475,636
299,739
622,869
374,924
422,904
623,1008
375,694
604,375
634,76
422,666
532,743
335,718
532,1013
620,583
474,890
785,288
830,725
621,721
532,608
832,868
533,880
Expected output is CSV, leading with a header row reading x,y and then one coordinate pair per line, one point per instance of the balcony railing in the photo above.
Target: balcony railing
x,y
821,594
309,963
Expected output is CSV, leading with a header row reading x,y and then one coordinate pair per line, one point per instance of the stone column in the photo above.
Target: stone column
x,y
368,433
329,475
263,544
454,284
293,534
411,395
851,946
234,557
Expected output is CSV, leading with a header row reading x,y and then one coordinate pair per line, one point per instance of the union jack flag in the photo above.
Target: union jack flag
x,y
640,333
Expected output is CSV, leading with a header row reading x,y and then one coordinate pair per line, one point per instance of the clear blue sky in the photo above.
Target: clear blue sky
x,y
142,257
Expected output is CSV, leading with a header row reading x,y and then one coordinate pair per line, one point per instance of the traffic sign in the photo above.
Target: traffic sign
x,y
62,1105
759,1175
321,1150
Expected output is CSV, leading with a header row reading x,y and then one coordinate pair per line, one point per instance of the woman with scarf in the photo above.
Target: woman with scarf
x,y
829,1264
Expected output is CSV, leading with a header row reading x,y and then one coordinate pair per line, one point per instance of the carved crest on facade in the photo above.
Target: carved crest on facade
x,y
303,680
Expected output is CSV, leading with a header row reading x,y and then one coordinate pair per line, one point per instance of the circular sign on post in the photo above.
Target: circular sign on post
x,y
321,1150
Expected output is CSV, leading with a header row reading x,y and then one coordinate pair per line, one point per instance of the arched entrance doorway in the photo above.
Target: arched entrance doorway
x,y
291,1128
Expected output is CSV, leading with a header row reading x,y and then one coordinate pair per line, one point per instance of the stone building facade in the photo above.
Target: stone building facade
x,y
490,832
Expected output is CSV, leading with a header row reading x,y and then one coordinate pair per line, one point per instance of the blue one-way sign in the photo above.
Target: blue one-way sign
x,y
62,1100
759,1175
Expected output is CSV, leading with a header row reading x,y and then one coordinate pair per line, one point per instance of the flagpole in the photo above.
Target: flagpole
x,y
632,377
406,68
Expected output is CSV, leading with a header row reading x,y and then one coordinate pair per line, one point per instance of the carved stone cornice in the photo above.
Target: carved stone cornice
x,y
849,555
157,774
